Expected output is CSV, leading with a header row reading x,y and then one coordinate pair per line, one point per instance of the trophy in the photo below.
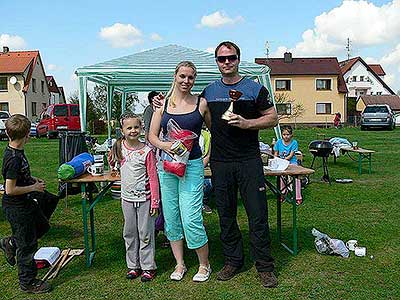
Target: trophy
x,y
233,96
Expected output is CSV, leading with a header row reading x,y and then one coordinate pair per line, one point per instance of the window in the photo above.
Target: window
x,y
3,84
34,112
4,106
42,87
284,108
323,84
354,78
324,108
361,78
379,93
61,111
282,85
34,85
74,110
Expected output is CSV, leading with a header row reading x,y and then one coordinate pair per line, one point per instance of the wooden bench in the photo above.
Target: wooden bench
x,y
363,154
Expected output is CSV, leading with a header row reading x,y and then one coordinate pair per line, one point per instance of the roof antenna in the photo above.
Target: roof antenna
x,y
266,47
348,48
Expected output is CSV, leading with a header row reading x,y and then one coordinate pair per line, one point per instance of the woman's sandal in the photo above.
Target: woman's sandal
x,y
201,277
177,276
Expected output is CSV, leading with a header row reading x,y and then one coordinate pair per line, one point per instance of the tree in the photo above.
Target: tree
x,y
99,98
74,97
285,111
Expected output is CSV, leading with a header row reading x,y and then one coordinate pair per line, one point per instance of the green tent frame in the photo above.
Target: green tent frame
x,y
153,70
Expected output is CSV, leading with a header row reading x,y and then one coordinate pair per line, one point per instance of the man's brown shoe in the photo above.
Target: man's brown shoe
x,y
227,272
268,279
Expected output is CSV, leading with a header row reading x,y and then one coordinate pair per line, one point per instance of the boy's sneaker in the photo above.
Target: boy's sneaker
x,y
207,209
9,250
268,279
36,287
133,273
148,275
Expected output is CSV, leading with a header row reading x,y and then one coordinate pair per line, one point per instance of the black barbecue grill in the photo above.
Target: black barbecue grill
x,y
321,149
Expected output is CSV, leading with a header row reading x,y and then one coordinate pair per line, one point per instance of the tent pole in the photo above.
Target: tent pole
x,y
110,94
265,80
123,102
82,101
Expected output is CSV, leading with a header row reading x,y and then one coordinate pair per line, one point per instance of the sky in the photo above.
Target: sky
x,y
72,34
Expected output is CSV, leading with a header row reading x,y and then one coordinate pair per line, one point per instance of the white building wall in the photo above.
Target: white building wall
x,y
369,86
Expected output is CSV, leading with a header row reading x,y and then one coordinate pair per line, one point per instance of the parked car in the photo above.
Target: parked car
x,y
377,116
33,132
4,115
58,117
397,119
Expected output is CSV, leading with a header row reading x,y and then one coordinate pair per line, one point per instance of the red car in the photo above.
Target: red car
x,y
58,117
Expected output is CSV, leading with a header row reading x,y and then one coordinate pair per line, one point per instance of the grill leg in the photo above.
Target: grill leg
x,y
312,164
326,172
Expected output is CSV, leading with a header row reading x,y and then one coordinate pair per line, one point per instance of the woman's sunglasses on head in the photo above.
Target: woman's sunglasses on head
x,y
231,58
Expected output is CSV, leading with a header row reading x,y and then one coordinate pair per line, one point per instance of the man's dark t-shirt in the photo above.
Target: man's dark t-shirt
x,y
230,143
16,166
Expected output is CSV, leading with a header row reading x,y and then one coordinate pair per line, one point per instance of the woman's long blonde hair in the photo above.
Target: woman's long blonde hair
x,y
170,97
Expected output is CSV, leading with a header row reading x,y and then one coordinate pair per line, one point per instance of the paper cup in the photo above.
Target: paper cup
x,y
351,244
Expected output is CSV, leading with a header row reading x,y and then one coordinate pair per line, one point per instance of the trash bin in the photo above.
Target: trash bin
x,y
71,143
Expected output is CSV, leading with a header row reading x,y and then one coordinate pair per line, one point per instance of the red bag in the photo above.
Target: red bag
x,y
177,164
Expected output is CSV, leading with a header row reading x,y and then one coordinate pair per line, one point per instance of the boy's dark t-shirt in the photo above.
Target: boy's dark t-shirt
x,y
16,166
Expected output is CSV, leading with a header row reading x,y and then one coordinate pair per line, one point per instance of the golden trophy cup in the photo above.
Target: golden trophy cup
x,y
233,95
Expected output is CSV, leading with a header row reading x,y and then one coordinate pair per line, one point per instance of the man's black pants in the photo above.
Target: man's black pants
x,y
28,224
247,177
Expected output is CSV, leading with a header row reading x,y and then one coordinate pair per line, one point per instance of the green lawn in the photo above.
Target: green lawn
x,y
366,210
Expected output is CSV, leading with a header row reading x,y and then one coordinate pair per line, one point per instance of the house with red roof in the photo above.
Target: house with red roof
x,y
23,84
316,84
56,93
364,79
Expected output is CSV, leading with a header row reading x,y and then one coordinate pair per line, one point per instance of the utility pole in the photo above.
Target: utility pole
x,y
348,48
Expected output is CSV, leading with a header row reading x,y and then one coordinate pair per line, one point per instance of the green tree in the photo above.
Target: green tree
x,y
287,107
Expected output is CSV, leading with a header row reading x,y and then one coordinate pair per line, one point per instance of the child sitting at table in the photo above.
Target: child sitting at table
x,y
285,148
139,197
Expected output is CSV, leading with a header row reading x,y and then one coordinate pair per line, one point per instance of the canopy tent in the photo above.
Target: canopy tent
x,y
153,70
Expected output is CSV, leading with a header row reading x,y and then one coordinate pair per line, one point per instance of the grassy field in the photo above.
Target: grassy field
x,y
366,210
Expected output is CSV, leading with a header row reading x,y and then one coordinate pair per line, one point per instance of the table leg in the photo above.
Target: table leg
x,y
278,210
369,162
85,225
92,231
294,220
359,163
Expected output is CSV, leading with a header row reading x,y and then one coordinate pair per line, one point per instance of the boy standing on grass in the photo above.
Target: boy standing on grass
x,y
27,207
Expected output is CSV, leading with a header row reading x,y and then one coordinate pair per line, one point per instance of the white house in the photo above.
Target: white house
x,y
363,79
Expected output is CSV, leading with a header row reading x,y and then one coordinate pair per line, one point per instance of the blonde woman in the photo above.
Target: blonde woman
x,y
183,197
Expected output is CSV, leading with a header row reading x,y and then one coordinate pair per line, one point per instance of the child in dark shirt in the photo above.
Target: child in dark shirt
x,y
27,207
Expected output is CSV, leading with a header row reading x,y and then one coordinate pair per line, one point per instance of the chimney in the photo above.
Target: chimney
x,y
287,58
5,49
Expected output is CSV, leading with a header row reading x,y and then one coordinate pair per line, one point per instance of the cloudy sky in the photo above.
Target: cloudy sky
x,y
71,34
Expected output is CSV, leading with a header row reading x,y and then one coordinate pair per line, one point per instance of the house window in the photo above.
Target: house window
x,y
323,84
324,108
34,112
42,87
284,108
361,78
4,106
379,93
282,85
34,85
3,84
354,78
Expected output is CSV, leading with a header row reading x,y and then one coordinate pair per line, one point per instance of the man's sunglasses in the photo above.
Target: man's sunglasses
x,y
231,58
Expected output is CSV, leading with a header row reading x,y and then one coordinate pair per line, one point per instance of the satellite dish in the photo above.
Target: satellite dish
x,y
13,80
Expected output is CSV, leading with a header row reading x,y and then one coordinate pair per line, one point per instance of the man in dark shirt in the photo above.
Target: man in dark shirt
x,y
27,207
236,163
148,113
